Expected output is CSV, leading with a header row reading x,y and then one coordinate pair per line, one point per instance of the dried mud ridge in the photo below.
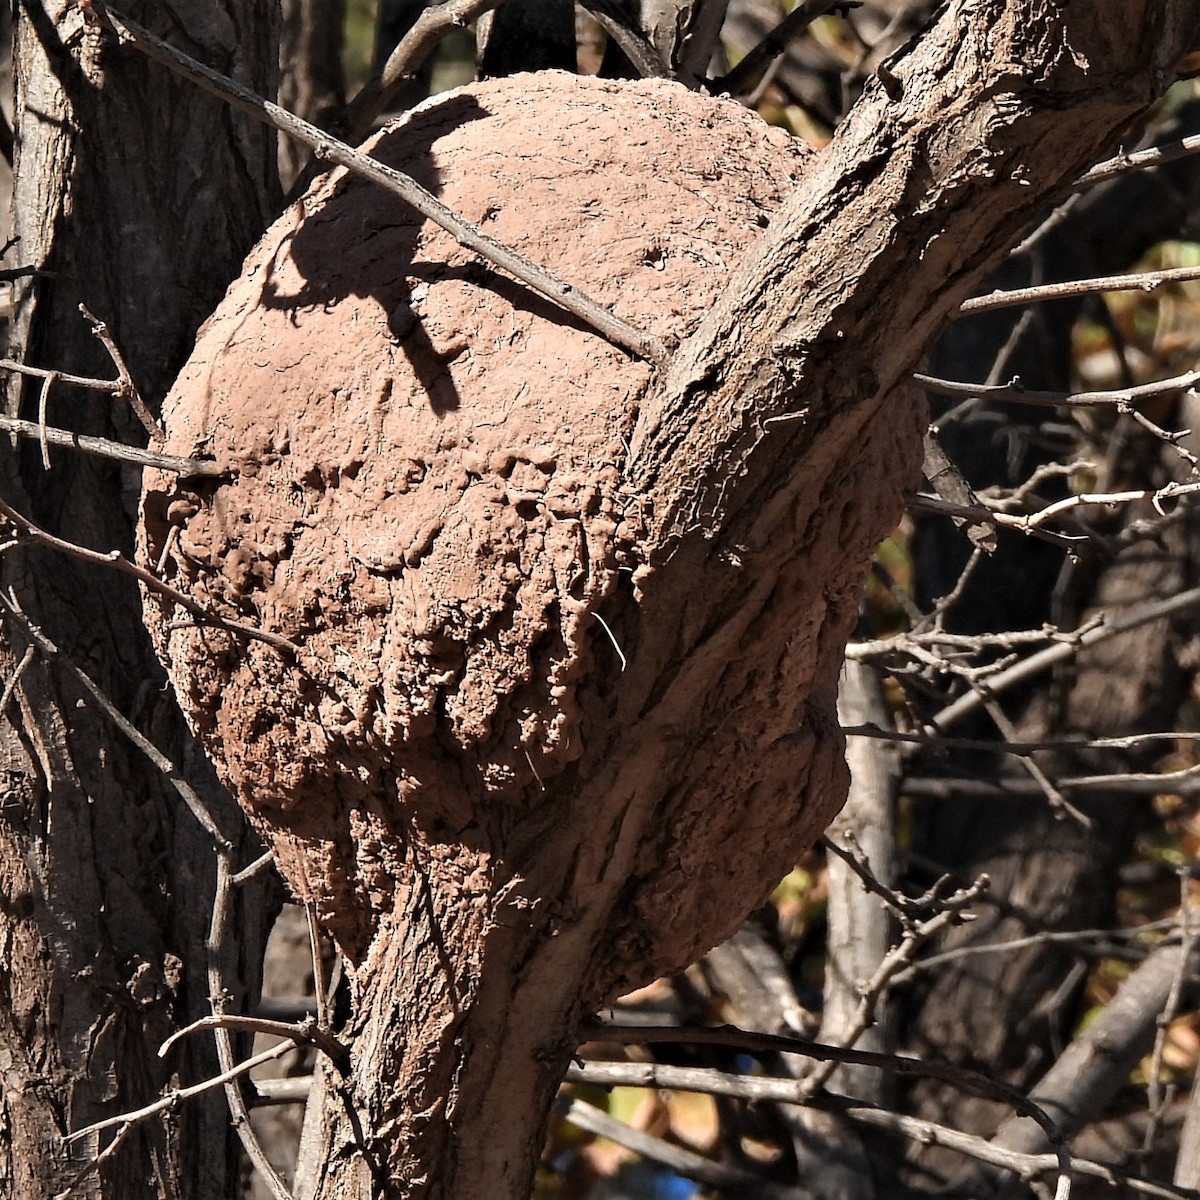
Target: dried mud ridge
x,y
429,501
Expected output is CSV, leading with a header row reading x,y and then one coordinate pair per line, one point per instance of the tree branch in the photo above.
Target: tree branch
x,y
566,295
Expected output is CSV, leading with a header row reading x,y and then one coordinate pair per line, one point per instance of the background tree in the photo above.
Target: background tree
x,y
970,173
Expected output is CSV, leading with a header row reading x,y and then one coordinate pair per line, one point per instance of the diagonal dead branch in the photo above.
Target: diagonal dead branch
x,y
185,468
116,560
566,295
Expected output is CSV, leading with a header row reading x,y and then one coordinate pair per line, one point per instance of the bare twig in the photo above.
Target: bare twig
x,y
775,44
303,1033
185,468
910,911
116,560
1092,943
566,295
434,23
1059,804
1128,742
320,984
178,1095
11,685
1015,392
104,705
90,1168
260,864
760,1088
681,1160
1146,281
947,508
945,910
88,382
1156,496
1024,1165
125,388
218,974
1035,664
43,405
1139,160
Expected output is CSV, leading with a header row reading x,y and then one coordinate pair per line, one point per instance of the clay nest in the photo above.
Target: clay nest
x,y
426,493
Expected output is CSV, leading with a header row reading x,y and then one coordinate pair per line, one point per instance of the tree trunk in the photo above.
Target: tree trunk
x,y
139,198
311,82
527,35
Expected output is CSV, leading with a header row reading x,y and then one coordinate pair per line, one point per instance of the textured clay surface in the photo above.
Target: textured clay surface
x,y
427,498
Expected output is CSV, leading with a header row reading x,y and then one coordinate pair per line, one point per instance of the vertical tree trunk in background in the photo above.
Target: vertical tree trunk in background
x,y
527,35
139,197
685,32
312,83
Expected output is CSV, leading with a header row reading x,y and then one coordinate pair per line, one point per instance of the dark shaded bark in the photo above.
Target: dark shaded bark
x,y
311,81
527,35
139,198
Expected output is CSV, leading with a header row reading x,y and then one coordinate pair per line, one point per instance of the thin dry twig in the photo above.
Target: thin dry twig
x,y
946,508
1035,664
103,704
1026,1166
116,560
320,983
1145,281
713,1082
124,388
775,44
43,405
1090,943
218,974
178,1095
566,295
1139,160
308,1032
434,23
681,1160
88,382
1015,392
920,920
1059,804
185,468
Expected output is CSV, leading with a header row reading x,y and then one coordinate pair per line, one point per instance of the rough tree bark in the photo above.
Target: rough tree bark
x,y
139,198
750,456
312,83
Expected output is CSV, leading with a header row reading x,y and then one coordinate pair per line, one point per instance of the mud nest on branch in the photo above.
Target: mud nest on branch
x,y
426,495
